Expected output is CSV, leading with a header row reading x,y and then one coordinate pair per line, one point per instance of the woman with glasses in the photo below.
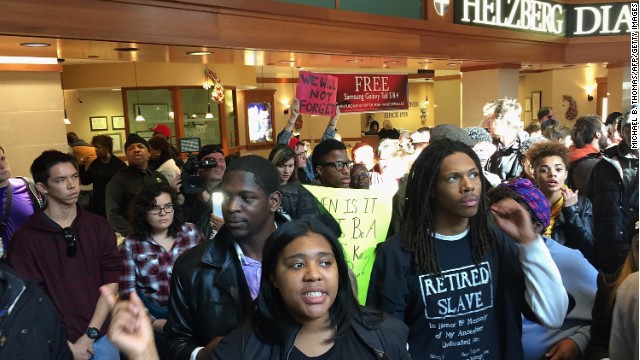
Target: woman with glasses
x,y
157,237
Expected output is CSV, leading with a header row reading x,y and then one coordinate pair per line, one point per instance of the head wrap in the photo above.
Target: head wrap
x,y
532,196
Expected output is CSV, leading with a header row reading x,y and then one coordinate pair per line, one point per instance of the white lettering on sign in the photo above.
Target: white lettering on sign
x,y
372,83
518,14
600,20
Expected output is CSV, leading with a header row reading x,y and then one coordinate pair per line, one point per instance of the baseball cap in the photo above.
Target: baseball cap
x,y
162,129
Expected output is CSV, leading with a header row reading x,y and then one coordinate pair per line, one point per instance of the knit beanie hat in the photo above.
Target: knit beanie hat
x,y
532,196
452,133
135,139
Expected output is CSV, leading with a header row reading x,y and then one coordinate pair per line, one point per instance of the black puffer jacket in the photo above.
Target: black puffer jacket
x,y
299,203
31,329
574,227
387,340
615,210
209,295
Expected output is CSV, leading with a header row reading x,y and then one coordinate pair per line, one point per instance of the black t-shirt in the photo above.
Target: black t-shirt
x,y
347,346
455,308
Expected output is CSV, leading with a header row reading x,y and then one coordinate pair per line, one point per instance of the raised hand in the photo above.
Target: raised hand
x,y
570,197
130,328
514,220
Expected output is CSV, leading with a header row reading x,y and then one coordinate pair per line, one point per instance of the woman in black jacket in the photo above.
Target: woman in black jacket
x,y
307,307
571,222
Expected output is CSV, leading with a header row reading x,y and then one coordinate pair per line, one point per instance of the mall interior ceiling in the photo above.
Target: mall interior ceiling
x,y
268,63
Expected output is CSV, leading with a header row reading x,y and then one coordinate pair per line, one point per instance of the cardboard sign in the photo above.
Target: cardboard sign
x,y
317,93
364,217
372,92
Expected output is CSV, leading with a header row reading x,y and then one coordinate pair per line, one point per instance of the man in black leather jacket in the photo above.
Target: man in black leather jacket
x,y
213,284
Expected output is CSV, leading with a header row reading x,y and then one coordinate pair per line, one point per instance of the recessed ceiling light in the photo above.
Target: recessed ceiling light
x,y
354,60
35,44
27,60
198,53
126,49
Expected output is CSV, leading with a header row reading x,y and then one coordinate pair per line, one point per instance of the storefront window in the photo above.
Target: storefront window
x,y
198,121
154,106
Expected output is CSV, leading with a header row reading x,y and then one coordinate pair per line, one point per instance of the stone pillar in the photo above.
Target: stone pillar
x,y
482,84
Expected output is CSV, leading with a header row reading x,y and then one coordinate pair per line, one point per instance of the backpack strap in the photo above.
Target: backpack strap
x,y
37,200
6,209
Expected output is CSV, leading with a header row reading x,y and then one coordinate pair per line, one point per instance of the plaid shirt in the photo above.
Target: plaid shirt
x,y
148,265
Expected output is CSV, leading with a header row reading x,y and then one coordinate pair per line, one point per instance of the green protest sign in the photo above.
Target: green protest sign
x,y
364,217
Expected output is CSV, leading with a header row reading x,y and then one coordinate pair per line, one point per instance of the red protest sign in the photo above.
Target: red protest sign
x,y
372,92
317,93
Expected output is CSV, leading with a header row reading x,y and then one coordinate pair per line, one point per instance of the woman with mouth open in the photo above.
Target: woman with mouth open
x,y
306,308
571,222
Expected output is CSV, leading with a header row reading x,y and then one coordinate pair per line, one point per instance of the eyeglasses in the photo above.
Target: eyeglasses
x,y
70,239
157,210
339,165
301,155
361,176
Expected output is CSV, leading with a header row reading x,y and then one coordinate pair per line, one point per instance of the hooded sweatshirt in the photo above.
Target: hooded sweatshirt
x,y
38,251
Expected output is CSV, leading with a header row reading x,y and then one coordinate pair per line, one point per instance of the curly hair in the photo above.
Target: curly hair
x,y
143,202
543,149
526,144
103,140
478,134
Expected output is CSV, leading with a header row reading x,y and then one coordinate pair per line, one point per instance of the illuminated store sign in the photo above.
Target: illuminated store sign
x,y
600,19
546,17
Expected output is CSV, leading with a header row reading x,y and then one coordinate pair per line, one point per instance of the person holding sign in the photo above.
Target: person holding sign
x,y
297,201
459,283
305,170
